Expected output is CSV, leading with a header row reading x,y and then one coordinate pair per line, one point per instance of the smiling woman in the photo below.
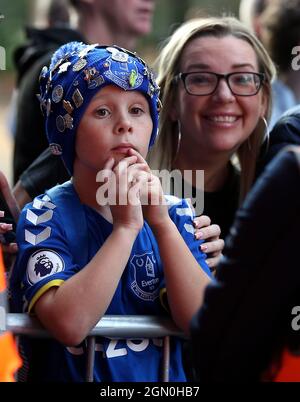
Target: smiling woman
x,y
215,87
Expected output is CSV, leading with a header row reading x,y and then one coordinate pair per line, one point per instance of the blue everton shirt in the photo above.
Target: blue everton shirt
x,y
45,259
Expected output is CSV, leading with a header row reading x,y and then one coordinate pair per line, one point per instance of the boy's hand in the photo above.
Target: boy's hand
x,y
153,201
155,207
123,181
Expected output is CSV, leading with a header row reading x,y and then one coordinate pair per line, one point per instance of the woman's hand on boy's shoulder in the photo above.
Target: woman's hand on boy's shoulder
x,y
5,228
213,245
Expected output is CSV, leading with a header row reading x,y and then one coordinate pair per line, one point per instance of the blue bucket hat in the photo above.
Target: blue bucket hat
x,y
77,71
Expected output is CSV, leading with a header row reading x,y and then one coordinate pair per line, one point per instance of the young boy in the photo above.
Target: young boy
x,y
80,259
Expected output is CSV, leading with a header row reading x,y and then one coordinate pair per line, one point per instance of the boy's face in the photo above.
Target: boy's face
x,y
114,121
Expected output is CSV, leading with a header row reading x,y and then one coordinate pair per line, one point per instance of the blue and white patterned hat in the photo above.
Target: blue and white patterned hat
x,y
77,71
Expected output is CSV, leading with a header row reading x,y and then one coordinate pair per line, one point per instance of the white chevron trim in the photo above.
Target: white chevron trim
x,y
171,200
189,228
36,219
36,239
184,212
39,204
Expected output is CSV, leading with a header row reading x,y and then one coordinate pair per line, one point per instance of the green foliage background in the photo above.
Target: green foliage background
x,y
15,15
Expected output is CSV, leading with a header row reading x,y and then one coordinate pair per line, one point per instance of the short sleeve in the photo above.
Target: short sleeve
x,y
44,258
182,215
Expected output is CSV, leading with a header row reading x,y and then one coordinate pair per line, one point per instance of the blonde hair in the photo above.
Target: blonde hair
x,y
162,154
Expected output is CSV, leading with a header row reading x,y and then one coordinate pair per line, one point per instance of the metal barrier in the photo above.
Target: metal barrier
x,y
109,326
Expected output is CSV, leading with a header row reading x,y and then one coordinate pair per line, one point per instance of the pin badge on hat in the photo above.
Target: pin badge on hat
x,y
151,90
57,93
93,78
64,67
56,65
60,123
68,121
132,78
79,65
48,85
117,55
42,102
56,149
43,73
48,107
121,73
67,106
77,98
87,49
59,62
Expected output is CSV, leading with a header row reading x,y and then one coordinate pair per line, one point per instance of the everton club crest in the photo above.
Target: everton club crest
x,y
146,282
122,70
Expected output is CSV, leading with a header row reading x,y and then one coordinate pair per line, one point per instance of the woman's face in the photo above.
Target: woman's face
x,y
222,121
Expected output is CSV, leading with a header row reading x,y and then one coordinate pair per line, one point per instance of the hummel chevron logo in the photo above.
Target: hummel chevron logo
x,y
184,212
36,239
36,219
189,228
39,204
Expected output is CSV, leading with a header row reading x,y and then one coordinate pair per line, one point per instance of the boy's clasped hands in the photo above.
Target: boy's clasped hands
x,y
132,191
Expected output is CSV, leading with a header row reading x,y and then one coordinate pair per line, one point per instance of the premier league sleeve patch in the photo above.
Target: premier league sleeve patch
x,y
42,264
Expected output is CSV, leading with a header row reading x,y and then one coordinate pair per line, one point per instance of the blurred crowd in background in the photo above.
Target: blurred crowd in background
x,y
14,18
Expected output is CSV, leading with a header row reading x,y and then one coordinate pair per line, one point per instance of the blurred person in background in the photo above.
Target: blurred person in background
x,y
250,12
30,139
281,36
106,22
276,24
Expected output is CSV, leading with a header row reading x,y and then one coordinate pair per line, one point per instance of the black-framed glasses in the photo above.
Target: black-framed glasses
x,y
241,83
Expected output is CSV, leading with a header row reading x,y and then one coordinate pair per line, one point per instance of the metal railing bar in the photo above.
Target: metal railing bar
x,y
115,326
90,359
166,359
